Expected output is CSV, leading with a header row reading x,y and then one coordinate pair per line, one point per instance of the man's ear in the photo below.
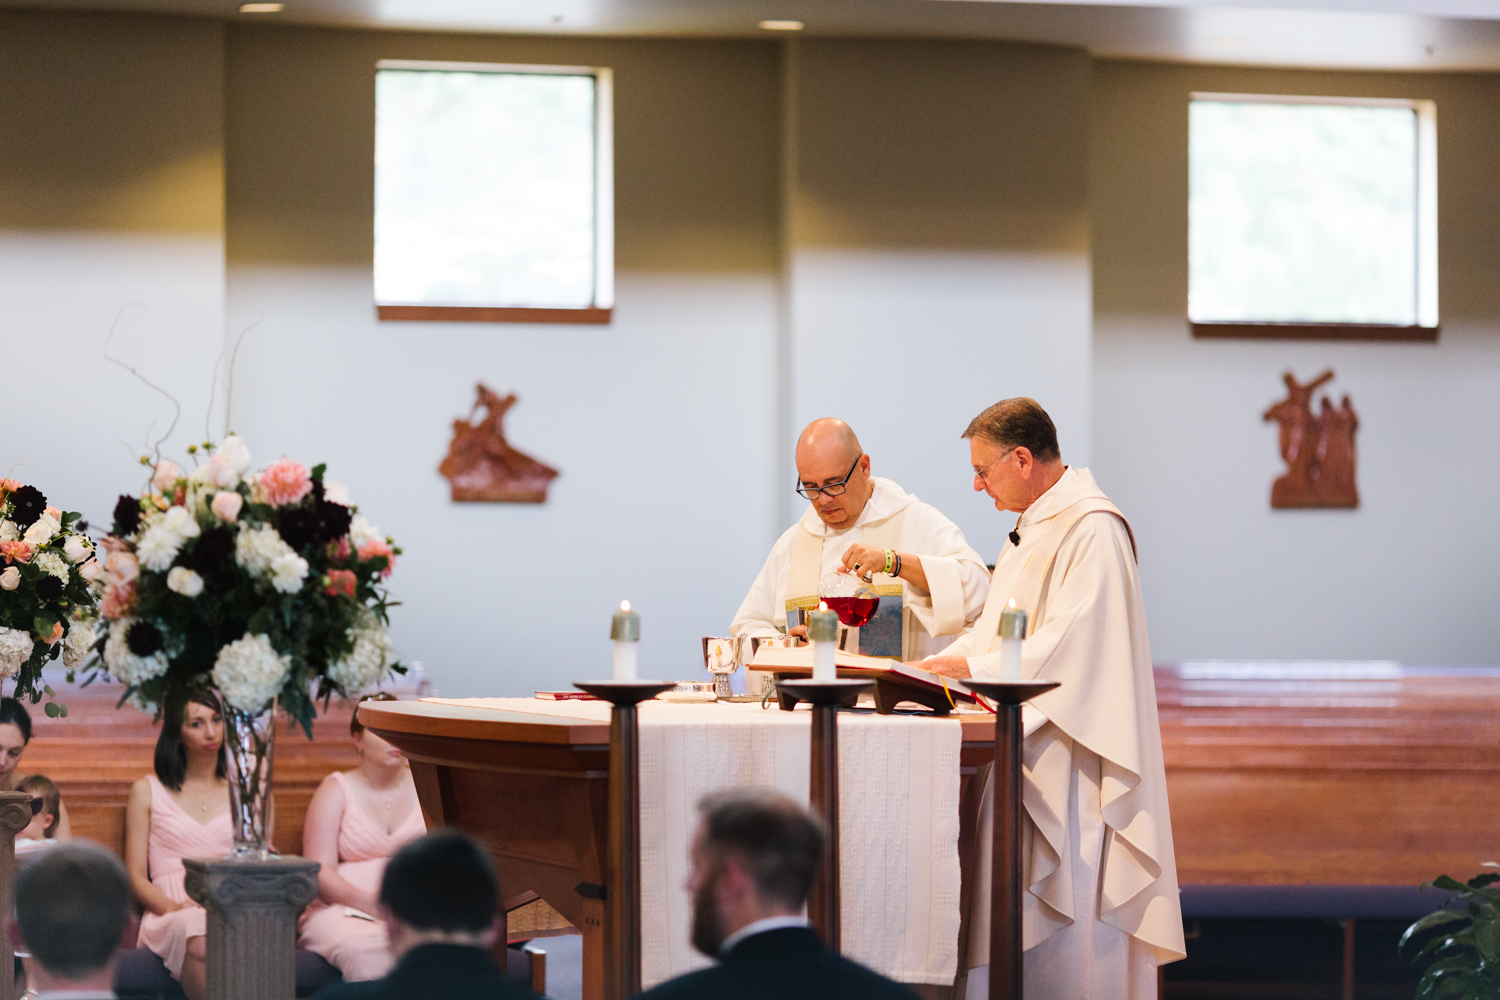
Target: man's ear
x,y
1025,461
733,882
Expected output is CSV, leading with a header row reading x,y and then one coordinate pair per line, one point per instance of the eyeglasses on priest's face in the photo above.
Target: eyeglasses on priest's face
x,y
980,474
832,489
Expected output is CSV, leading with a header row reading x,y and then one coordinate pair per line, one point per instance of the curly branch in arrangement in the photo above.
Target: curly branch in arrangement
x,y
229,386
173,399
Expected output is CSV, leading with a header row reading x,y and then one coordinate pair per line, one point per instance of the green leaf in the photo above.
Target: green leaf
x,y
62,710
318,470
1487,936
51,709
1444,882
44,624
259,623
1480,881
48,689
1437,924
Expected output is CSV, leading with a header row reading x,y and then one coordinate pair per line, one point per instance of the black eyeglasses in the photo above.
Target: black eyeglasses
x,y
832,489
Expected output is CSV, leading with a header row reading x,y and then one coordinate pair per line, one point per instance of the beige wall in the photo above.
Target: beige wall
x,y
939,250
111,203
1179,438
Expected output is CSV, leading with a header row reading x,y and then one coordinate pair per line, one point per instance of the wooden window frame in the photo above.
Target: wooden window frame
x,y
1426,329
601,311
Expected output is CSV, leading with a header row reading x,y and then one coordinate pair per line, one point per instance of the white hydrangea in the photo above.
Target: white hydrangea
x,y
249,672
82,634
15,649
125,666
9,532
366,664
141,702
262,552
362,531
53,564
158,546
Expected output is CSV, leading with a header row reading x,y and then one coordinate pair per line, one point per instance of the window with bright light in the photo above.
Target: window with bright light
x,y
493,191
1312,211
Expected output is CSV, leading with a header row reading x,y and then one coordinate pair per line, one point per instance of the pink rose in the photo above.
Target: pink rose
x,y
166,475
123,568
119,600
226,505
54,513
378,547
340,581
284,482
17,551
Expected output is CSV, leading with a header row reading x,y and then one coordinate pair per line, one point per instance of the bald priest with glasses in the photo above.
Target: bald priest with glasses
x,y
932,585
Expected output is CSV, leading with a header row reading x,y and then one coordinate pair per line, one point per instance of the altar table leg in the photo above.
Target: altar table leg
x,y
1005,933
823,796
622,939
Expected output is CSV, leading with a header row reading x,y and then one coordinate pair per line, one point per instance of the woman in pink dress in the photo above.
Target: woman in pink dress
x,y
357,819
181,811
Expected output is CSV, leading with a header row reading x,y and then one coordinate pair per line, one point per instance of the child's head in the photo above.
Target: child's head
x,y
44,822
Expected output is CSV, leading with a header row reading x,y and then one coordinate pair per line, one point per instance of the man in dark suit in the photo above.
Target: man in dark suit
x,y
438,899
754,859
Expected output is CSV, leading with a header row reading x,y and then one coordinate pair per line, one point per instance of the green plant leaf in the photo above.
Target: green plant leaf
x,y
44,624
51,709
1441,923
1445,882
1487,936
1479,881
62,710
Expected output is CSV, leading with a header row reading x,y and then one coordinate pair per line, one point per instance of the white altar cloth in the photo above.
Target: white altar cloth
x,y
898,815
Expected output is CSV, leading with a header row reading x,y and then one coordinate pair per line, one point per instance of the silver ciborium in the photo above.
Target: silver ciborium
x,y
721,657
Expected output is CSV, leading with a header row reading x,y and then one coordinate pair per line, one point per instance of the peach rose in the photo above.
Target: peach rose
x,y
226,505
119,600
378,547
339,581
54,513
123,568
56,636
16,551
284,482
166,475
9,486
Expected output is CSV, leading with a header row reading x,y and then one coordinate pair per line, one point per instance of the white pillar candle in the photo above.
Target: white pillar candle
x,y
1012,634
625,630
823,630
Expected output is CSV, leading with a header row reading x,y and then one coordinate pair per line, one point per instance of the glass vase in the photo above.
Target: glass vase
x,y
248,741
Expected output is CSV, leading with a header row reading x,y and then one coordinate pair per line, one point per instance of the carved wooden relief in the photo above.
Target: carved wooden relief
x,y
1318,448
482,466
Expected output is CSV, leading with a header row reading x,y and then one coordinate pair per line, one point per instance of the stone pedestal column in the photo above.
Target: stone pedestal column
x,y
15,816
252,907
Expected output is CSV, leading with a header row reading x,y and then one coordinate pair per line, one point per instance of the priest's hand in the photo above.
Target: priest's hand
x,y
863,560
800,631
949,666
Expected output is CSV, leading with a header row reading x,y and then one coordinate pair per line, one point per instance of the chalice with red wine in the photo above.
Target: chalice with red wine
x,y
849,597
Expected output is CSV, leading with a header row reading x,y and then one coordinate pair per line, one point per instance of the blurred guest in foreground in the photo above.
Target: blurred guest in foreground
x,y
72,914
439,899
15,736
355,822
755,855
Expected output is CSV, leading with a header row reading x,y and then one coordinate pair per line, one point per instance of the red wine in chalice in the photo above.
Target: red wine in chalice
x,y
853,611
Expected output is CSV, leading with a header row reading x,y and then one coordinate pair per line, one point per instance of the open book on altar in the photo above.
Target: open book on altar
x,y
893,679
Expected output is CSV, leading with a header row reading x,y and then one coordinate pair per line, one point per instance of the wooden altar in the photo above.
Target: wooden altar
x,y
535,789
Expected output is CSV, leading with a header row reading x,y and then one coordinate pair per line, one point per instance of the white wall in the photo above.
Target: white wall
x,y
1179,440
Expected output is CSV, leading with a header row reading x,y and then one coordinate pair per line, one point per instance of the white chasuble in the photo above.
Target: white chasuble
x,y
1101,911
910,623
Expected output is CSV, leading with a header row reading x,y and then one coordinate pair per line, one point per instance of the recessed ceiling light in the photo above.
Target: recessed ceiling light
x,y
261,8
781,25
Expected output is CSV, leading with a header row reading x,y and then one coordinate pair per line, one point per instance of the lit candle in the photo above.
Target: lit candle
x,y
823,630
1012,631
625,630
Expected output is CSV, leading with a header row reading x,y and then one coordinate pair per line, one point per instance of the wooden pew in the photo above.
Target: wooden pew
x,y
98,751
1330,773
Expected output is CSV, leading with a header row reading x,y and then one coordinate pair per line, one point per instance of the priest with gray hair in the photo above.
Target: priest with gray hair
x,y
1101,910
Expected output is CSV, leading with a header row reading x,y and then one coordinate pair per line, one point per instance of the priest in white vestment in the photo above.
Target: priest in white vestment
x,y
1101,911
932,585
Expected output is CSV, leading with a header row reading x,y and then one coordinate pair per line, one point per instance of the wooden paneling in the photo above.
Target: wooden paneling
x,y
1374,774
98,751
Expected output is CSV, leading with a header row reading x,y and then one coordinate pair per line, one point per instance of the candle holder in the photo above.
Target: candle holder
x,y
826,698
1005,875
622,899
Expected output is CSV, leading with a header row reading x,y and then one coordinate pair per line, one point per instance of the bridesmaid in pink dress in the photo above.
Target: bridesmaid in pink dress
x,y
355,822
181,811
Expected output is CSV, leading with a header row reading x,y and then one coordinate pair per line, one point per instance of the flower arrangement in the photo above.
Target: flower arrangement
x,y
264,585
46,602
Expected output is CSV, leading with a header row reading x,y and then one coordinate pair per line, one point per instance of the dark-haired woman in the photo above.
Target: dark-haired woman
x,y
181,811
357,819
15,734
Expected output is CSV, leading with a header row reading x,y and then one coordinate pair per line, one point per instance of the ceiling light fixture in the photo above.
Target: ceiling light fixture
x,y
781,25
261,8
